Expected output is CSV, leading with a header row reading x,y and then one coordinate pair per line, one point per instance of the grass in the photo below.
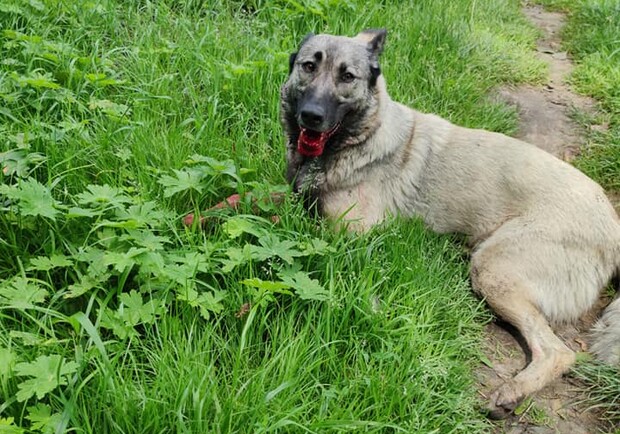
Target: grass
x,y
592,36
601,385
301,366
120,117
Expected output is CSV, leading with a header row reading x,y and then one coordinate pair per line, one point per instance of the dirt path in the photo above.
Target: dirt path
x,y
545,121
545,110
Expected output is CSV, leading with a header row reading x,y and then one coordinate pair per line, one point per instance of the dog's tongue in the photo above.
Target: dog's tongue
x,y
311,143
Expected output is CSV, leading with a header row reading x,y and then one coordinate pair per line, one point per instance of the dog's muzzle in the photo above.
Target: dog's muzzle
x,y
312,143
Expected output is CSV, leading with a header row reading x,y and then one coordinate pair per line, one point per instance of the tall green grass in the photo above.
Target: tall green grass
x,y
117,118
593,37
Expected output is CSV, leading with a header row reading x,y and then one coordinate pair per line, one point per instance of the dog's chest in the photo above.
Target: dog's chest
x,y
361,206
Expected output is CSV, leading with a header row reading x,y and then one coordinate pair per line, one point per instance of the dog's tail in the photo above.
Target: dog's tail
x,y
606,331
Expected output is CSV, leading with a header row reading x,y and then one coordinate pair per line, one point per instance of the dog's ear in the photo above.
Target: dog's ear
x,y
293,56
305,39
375,72
291,62
375,38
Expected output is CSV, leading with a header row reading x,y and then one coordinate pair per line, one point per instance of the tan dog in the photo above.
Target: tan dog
x,y
546,238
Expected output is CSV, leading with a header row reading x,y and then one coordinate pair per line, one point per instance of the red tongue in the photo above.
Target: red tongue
x,y
311,143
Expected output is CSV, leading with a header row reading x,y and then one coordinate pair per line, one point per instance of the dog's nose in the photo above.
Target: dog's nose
x,y
312,116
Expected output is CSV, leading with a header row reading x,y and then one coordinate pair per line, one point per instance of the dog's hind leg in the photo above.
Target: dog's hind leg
x,y
499,279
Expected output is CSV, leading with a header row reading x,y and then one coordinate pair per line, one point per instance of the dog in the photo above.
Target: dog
x,y
545,237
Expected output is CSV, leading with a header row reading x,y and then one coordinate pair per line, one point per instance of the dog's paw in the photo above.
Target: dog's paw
x,y
503,401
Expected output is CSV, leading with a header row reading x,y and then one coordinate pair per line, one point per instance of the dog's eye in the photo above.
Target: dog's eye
x,y
308,67
347,77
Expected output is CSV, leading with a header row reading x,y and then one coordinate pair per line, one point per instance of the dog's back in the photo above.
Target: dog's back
x,y
474,180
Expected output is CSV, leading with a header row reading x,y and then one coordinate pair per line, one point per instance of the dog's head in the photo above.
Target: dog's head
x,y
331,89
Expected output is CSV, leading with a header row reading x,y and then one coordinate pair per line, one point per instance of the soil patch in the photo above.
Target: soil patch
x,y
545,110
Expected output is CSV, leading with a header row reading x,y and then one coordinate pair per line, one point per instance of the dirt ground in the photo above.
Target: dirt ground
x,y
545,121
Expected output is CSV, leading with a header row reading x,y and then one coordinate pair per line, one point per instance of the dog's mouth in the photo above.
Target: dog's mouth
x,y
312,143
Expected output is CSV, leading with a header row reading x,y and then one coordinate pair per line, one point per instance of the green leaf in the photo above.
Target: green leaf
x,y
122,261
16,10
42,419
188,179
86,284
48,373
18,161
109,108
143,215
76,212
226,167
184,273
27,339
37,5
267,285
36,80
272,246
316,246
152,263
146,239
110,320
20,168
13,34
103,196
134,311
239,256
127,224
35,199
101,80
94,258
208,302
262,291
305,287
7,361
44,263
239,225
108,238
21,293
9,191
7,426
